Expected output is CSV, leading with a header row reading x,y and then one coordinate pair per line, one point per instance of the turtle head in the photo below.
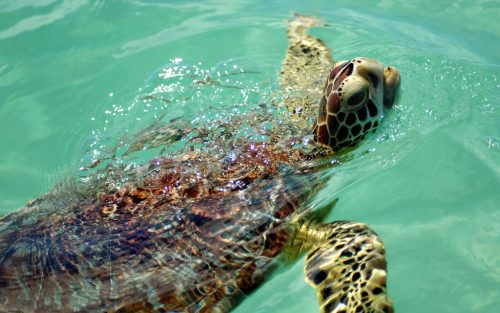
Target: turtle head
x,y
353,101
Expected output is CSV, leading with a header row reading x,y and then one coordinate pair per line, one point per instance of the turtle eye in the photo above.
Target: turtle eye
x,y
357,98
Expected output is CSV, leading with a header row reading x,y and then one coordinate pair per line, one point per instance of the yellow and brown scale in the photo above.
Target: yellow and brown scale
x,y
194,176
210,195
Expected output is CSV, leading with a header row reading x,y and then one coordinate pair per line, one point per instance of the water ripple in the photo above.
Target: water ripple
x,y
36,21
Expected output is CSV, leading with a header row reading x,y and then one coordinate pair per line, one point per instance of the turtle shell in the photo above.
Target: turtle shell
x,y
193,232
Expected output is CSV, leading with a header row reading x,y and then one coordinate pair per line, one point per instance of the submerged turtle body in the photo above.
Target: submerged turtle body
x,y
187,236
196,232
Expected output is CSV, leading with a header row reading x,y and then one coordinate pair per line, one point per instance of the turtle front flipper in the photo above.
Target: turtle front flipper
x,y
307,63
347,266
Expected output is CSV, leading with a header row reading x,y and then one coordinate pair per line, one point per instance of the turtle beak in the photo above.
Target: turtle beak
x,y
391,85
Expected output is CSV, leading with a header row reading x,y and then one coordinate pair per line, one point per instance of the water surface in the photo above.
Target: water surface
x,y
73,75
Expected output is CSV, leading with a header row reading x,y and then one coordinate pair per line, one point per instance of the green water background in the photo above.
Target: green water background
x,y
430,185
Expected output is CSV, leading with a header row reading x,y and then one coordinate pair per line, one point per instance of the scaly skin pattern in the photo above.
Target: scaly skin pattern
x,y
346,264
352,104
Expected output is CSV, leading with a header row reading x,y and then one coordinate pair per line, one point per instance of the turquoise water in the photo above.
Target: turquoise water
x,y
73,75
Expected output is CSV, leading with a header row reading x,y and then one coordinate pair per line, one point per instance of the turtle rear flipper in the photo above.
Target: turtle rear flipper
x,y
348,268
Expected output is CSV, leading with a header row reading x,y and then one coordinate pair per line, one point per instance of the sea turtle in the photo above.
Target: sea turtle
x,y
195,232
